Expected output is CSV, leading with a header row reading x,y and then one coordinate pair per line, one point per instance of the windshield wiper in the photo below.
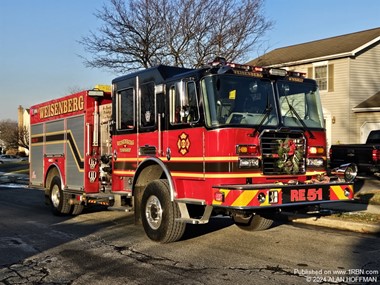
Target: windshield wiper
x,y
304,127
266,113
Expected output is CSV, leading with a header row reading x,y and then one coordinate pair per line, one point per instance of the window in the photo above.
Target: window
x,y
299,101
125,109
324,75
148,108
321,76
192,102
238,100
183,103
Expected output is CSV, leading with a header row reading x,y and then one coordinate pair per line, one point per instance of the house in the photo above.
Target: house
x,y
347,69
23,124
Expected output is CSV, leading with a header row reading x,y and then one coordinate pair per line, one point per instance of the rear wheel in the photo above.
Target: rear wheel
x,y
252,222
59,200
158,213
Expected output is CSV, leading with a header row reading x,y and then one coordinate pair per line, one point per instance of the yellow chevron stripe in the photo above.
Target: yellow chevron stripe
x,y
339,192
244,198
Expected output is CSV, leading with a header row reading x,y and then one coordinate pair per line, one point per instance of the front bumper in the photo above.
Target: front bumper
x,y
251,196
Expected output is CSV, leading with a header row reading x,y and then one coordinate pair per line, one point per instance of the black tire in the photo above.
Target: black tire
x,y
58,199
158,213
77,209
253,223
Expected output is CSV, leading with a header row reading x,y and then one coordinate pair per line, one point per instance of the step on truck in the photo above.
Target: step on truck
x,y
178,146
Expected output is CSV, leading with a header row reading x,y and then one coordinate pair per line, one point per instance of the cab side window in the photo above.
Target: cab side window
x,y
183,103
125,109
193,101
148,106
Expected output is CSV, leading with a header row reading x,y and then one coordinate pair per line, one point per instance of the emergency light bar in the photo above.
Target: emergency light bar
x,y
296,74
105,88
277,72
95,93
219,61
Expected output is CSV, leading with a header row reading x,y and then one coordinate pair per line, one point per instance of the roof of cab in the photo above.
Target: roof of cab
x,y
158,73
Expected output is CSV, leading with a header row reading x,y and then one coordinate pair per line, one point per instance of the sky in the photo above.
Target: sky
x,y
40,56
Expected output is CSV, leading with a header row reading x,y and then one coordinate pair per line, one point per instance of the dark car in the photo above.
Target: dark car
x,y
366,156
8,158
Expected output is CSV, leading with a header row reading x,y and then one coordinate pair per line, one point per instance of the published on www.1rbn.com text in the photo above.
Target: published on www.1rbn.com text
x,y
347,276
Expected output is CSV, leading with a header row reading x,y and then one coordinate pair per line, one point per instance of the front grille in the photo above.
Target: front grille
x,y
283,152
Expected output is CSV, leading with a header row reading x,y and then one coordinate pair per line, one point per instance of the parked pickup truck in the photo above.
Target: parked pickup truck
x,y
365,156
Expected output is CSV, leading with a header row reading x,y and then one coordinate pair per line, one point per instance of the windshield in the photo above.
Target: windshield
x,y
300,104
232,100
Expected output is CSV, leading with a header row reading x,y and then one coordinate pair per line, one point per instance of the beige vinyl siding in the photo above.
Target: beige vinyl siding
x,y
366,117
364,82
336,101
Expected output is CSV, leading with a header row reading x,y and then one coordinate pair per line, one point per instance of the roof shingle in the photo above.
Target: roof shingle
x,y
334,47
371,102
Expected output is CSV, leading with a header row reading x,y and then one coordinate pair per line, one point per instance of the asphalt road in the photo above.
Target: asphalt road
x,y
14,167
103,247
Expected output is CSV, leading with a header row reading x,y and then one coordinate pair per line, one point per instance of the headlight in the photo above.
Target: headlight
x,y
248,162
316,162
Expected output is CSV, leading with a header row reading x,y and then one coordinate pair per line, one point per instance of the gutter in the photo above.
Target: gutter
x,y
362,110
327,57
310,60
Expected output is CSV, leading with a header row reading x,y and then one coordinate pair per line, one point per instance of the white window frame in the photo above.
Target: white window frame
x,y
321,64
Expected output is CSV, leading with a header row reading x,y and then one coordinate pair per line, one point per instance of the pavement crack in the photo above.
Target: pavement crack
x,y
27,272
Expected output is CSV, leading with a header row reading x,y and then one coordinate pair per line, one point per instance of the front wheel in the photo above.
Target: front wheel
x,y
77,209
252,222
59,202
159,213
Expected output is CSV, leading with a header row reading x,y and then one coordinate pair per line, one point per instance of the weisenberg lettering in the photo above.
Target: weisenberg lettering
x,y
62,107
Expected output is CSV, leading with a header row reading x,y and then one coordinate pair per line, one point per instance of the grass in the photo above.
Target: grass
x,y
359,217
369,198
372,197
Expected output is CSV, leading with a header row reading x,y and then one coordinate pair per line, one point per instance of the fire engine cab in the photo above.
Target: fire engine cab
x,y
179,145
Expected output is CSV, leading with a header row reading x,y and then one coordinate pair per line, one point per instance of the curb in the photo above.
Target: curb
x,y
352,206
339,224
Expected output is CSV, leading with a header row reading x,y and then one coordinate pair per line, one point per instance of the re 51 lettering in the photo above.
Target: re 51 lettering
x,y
312,194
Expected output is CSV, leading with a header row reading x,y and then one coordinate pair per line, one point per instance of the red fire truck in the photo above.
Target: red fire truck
x,y
179,145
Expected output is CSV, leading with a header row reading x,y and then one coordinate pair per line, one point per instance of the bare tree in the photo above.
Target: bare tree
x,y
130,37
9,133
13,135
142,33
23,137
